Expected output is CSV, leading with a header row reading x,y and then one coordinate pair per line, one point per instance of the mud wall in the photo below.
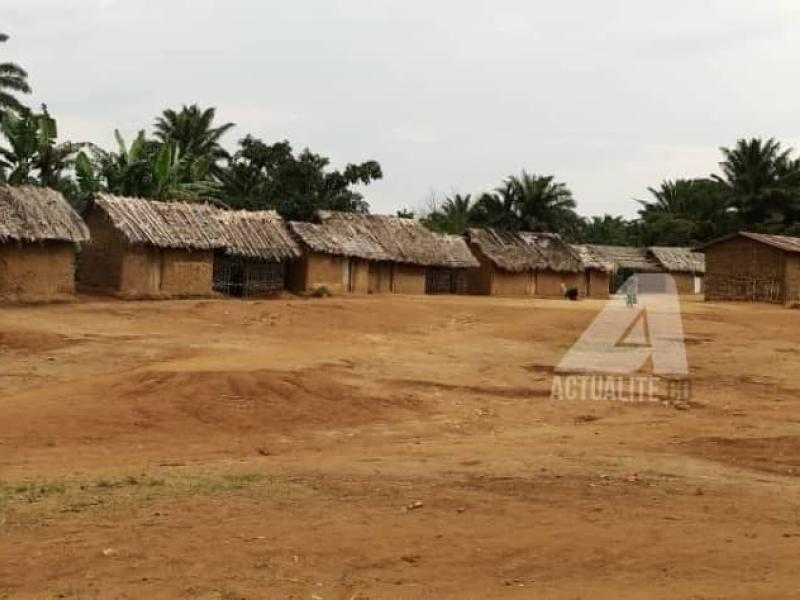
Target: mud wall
x,y
684,282
187,273
745,270
380,277
37,272
339,274
315,270
101,258
480,278
359,276
792,279
553,284
506,283
153,272
140,272
548,284
297,274
597,284
408,279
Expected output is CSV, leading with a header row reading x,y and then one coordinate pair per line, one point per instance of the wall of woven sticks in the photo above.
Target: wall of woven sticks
x,y
243,278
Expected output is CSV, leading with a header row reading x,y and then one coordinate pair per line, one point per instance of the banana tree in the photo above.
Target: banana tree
x,y
34,156
17,161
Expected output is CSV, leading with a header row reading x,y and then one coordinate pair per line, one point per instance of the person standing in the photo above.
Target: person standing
x,y
631,291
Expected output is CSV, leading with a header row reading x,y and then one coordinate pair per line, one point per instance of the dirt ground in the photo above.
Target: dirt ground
x,y
387,447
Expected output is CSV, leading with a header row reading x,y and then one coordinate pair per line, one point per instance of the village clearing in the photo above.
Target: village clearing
x,y
387,447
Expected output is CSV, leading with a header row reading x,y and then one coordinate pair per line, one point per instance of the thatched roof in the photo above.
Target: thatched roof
x,y
518,251
164,224
257,234
382,238
332,240
782,242
592,259
36,214
456,251
679,260
250,234
627,258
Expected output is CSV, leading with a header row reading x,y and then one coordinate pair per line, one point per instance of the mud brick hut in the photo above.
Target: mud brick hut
x,y
625,261
355,253
146,249
39,234
523,263
686,267
258,248
597,272
451,275
753,267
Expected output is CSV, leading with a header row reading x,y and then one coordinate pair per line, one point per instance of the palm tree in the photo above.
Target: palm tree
x,y
13,78
496,210
609,229
762,181
541,203
455,213
685,212
195,138
672,197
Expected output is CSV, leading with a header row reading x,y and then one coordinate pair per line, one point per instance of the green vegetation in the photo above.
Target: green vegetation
x,y
13,81
75,496
757,187
758,190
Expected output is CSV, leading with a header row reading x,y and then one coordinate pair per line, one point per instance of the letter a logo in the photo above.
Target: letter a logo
x,y
642,324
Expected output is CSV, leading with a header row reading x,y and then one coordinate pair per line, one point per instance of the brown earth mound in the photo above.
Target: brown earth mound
x,y
194,403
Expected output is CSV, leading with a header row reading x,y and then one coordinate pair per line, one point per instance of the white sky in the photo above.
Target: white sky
x,y
610,96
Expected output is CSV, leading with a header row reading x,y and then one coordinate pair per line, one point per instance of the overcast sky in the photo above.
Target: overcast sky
x,y
610,96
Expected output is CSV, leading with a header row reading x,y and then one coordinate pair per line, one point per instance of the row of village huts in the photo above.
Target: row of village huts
x,y
133,247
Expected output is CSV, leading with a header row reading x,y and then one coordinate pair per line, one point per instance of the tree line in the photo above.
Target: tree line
x,y
757,186
756,189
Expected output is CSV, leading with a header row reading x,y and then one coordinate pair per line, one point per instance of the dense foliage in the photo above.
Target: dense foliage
x,y
757,187
261,175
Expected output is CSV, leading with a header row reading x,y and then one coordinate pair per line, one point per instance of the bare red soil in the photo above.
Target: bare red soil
x,y
387,447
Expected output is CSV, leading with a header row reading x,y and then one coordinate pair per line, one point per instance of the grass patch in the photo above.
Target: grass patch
x,y
30,491
220,484
110,489
126,481
77,496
